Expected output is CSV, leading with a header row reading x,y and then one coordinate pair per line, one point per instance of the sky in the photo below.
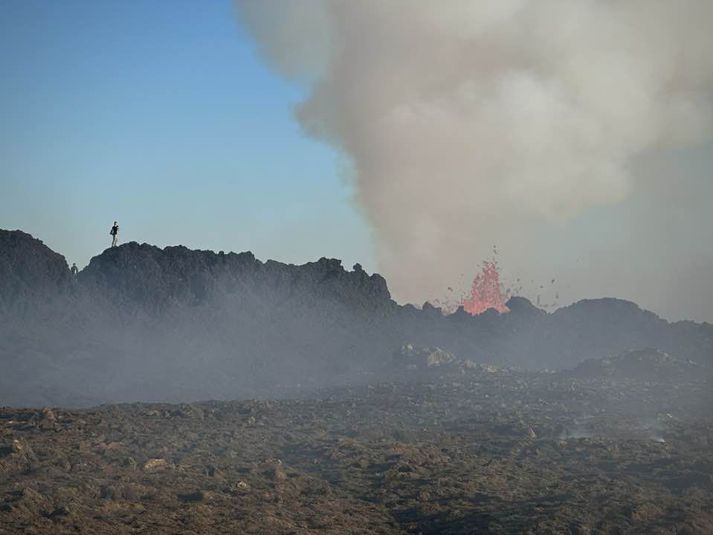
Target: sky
x,y
190,123
161,116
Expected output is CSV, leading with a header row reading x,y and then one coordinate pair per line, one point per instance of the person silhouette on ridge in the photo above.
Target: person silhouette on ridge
x,y
74,269
114,232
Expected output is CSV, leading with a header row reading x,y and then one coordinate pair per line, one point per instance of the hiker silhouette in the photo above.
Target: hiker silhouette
x,y
114,233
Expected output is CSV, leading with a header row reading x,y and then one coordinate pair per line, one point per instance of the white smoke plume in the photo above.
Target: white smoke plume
x,y
474,122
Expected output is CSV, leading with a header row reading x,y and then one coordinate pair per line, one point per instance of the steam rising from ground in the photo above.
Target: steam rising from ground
x,y
471,123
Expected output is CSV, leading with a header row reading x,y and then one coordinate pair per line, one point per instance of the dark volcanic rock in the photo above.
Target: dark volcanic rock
x,y
521,306
29,269
174,324
608,322
422,441
489,451
643,365
156,278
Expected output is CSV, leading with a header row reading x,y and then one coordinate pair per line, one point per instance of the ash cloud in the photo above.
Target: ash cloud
x,y
474,123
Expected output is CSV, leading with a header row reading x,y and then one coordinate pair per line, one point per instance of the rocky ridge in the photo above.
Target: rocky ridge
x,y
178,325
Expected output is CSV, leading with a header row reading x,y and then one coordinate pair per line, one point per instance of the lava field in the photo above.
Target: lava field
x,y
335,409
445,449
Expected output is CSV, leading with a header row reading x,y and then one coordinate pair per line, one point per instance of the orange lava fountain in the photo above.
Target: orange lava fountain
x,y
485,291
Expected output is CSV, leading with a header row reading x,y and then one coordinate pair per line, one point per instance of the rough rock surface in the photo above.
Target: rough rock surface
x,y
643,364
141,323
496,451
144,275
423,358
447,435
29,269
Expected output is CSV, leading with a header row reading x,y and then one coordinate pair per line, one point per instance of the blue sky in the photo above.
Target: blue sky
x,y
161,116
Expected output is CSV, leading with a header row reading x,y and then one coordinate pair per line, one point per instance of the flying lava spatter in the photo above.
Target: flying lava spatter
x,y
485,291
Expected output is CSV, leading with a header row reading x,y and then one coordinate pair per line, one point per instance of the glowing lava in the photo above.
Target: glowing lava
x,y
485,291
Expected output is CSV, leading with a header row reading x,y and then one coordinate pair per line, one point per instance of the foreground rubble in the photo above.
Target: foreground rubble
x,y
447,449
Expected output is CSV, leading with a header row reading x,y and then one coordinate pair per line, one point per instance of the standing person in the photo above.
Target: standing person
x,y
74,269
114,232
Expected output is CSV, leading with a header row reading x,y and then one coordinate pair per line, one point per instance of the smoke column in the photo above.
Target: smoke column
x,y
473,123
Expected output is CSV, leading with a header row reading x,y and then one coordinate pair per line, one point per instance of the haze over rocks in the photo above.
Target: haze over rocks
x,y
385,418
141,323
